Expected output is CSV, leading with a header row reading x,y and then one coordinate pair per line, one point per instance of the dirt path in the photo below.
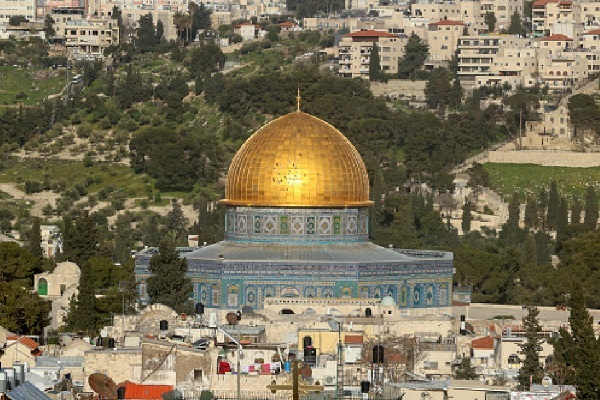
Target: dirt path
x,y
39,200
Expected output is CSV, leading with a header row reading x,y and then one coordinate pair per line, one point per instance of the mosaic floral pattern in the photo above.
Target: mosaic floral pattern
x,y
351,225
270,225
242,224
297,225
325,225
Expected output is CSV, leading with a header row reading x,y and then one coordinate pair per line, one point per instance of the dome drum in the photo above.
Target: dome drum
x,y
259,224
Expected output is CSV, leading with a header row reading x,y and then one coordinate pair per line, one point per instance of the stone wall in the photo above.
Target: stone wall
x,y
401,89
546,158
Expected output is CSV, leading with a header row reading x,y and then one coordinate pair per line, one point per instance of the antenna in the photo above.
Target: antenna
x,y
298,100
103,385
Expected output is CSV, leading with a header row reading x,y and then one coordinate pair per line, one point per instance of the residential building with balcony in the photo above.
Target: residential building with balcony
x,y
354,52
14,8
515,66
442,39
478,58
85,38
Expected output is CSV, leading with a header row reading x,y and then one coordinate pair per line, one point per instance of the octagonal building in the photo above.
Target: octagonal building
x,y
296,226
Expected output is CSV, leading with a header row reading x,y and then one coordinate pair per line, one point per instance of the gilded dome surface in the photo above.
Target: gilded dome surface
x,y
300,161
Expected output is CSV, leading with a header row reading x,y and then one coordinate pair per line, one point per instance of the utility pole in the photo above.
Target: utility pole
x,y
295,387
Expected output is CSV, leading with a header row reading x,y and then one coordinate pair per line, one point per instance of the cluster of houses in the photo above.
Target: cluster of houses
x,y
344,341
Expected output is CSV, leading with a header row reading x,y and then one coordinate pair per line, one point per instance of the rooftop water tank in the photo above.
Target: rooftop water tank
x,y
11,378
3,382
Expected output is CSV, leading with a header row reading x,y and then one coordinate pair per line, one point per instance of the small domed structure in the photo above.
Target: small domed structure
x,y
388,301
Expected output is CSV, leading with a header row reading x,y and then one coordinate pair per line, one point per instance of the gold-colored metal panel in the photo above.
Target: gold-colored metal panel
x,y
297,160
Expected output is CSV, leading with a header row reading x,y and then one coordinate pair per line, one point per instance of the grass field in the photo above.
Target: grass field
x,y
73,172
529,179
35,83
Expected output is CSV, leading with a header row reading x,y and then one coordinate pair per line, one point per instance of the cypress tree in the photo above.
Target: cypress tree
x,y
169,284
531,371
542,205
531,214
374,64
563,219
83,315
35,239
576,211
590,220
80,241
577,353
467,217
530,249
514,210
553,206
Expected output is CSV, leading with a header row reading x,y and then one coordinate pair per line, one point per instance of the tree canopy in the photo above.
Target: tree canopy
x,y
169,284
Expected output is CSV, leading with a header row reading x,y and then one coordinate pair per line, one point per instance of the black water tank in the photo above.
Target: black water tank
x,y
98,342
121,392
111,343
238,315
368,313
365,386
199,308
306,341
378,354
310,355
164,325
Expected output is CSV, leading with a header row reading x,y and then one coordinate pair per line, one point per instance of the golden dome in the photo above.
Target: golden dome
x,y
297,161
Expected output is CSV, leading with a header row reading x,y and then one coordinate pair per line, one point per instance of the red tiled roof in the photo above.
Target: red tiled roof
x,y
24,340
353,339
287,24
566,3
556,38
593,32
134,391
446,22
542,3
484,343
370,33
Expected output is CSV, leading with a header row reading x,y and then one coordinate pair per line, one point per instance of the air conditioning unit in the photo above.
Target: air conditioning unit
x,y
252,323
330,380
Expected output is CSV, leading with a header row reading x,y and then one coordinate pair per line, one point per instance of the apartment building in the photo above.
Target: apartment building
x,y
442,38
515,66
496,60
562,66
589,45
13,8
354,52
503,11
86,38
476,56
470,12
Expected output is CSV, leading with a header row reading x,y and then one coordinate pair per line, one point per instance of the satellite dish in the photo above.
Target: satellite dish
x,y
103,333
104,386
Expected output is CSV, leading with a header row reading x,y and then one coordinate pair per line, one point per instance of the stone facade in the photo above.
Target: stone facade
x,y
59,287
